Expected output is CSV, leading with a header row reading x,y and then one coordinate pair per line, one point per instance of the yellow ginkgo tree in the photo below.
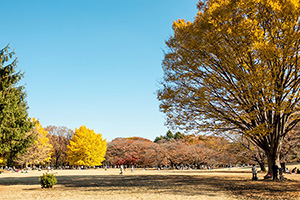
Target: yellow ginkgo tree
x,y
86,148
40,151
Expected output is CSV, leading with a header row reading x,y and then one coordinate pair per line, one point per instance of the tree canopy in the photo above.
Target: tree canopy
x,y
130,151
169,136
193,151
59,137
86,148
40,151
235,68
14,121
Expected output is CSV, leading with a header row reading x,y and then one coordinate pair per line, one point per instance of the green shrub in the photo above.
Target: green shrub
x,y
47,180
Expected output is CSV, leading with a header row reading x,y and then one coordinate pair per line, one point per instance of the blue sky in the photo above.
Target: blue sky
x,y
95,62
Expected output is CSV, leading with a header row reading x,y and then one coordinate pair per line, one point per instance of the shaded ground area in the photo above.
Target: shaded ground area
x,y
148,185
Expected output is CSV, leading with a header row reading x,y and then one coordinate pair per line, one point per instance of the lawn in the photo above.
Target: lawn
x,y
149,184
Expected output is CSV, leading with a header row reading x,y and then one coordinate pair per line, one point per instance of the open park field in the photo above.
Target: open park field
x,y
149,184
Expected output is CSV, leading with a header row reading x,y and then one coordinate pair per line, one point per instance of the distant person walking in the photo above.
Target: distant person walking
x,y
254,173
281,174
121,169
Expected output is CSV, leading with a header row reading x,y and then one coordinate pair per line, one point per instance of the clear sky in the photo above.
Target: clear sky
x,y
94,62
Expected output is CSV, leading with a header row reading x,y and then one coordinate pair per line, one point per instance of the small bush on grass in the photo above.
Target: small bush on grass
x,y
47,180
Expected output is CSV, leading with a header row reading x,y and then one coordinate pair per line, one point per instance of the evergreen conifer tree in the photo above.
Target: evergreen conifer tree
x,y
14,122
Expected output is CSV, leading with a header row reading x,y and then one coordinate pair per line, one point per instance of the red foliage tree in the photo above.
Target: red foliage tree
x,y
129,151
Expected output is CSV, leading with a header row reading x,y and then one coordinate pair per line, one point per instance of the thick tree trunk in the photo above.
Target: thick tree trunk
x,y
272,158
273,152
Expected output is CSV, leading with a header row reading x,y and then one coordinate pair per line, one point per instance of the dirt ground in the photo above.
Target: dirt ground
x,y
149,184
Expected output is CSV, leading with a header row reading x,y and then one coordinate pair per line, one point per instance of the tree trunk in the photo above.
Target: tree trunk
x,y
273,152
56,162
9,162
272,158
262,166
261,161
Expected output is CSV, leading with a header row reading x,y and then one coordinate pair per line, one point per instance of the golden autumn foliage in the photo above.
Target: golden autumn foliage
x,y
235,68
40,151
86,148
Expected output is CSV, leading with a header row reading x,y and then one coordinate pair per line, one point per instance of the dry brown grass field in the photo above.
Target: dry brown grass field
x,y
149,184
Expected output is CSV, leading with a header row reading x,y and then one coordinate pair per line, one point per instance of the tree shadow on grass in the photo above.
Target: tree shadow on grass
x,y
19,181
190,185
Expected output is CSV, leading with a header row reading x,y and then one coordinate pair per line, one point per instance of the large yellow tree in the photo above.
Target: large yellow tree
x,y
86,148
235,68
40,150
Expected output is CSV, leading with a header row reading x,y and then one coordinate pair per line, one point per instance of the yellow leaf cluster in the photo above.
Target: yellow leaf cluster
x,y
86,148
40,151
42,141
235,67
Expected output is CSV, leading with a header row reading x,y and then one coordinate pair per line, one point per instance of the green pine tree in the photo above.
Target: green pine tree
x,y
14,122
169,135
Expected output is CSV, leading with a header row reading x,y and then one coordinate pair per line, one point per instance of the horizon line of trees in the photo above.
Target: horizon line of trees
x,y
52,147
194,150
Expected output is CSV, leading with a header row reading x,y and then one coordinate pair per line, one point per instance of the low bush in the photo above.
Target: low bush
x,y
47,180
